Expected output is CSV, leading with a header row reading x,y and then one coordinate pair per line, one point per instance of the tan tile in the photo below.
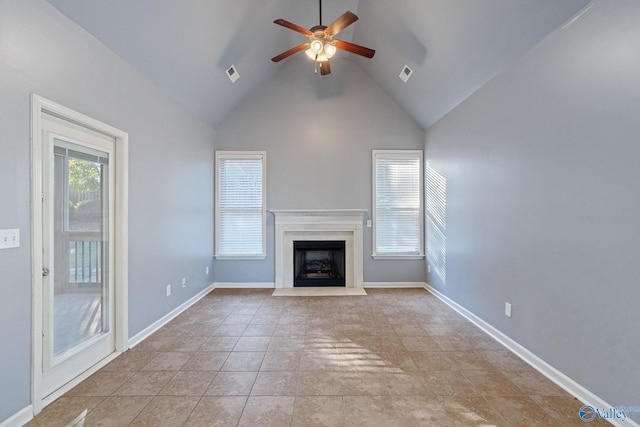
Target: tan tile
x,y
319,384
466,360
188,383
506,361
265,318
454,342
432,360
521,411
566,410
363,384
275,384
281,361
217,411
279,343
406,385
265,411
398,360
231,384
532,382
237,319
177,343
64,410
206,361
219,343
117,411
229,330
167,361
383,411
471,411
493,383
449,383
252,344
102,383
385,349
145,383
420,344
165,411
419,411
321,361
318,411
243,361
408,329
259,330
289,330
130,361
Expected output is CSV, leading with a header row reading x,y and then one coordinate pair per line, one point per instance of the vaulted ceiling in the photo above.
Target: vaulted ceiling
x,y
453,46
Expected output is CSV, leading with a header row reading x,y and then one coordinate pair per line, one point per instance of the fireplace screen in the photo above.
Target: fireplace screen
x,y
318,263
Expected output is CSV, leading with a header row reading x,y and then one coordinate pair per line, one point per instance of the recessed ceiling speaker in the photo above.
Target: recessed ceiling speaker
x,y
405,73
233,74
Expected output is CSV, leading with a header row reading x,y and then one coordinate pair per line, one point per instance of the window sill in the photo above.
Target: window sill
x,y
397,257
240,257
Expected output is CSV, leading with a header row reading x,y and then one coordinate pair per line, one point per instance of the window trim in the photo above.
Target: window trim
x,y
252,155
405,256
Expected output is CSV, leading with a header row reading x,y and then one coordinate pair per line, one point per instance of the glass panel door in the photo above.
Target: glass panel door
x,y
81,241
77,206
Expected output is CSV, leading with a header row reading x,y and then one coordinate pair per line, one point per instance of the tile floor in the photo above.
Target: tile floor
x,y
245,358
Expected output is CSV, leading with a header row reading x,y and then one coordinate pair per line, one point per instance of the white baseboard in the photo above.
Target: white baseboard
x,y
19,419
394,285
563,381
244,285
146,332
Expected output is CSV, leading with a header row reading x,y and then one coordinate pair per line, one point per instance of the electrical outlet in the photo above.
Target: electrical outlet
x,y
368,223
9,239
168,290
507,309
428,268
184,282
206,271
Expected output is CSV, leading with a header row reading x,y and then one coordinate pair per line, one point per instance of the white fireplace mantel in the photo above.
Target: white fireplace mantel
x,y
319,224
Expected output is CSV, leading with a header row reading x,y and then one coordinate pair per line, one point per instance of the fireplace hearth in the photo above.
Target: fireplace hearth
x,y
319,263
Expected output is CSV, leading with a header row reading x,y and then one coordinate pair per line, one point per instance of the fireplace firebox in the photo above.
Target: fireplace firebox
x,y
319,263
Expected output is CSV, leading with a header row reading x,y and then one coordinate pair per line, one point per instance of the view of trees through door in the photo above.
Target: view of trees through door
x,y
80,221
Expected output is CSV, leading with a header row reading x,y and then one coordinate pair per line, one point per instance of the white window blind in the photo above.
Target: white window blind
x,y
397,210
240,204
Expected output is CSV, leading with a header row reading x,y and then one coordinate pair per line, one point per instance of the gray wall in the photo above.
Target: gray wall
x,y
543,200
171,169
318,134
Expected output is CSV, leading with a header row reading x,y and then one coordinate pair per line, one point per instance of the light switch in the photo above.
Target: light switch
x,y
9,238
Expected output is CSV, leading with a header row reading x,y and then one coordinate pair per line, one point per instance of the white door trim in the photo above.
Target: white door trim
x,y
39,106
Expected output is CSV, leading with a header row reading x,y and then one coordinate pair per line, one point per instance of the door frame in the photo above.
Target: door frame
x,y
40,105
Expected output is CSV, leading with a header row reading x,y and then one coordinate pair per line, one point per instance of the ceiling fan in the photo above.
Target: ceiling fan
x,y
321,45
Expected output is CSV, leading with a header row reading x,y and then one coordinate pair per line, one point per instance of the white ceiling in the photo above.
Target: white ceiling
x,y
453,46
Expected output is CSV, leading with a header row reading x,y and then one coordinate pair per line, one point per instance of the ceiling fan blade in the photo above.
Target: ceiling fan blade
x,y
325,68
354,48
341,23
290,52
293,27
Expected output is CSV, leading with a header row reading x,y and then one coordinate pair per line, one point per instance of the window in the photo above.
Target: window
x,y
397,204
240,204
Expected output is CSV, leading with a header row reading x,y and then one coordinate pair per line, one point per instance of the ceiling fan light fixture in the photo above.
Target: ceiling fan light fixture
x,y
316,46
329,50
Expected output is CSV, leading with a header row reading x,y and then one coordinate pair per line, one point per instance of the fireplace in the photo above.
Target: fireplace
x,y
319,225
318,263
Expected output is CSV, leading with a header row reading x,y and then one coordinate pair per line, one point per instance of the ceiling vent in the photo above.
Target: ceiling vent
x,y
233,74
405,73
